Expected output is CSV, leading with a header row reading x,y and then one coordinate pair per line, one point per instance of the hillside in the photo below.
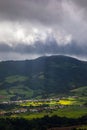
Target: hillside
x,y
42,77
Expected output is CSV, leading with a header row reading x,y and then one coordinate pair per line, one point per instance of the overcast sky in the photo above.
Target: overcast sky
x,y
32,28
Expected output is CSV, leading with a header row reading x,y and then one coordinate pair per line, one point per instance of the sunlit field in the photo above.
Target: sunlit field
x,y
71,107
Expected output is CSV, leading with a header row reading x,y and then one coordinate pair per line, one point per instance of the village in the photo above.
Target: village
x,y
34,105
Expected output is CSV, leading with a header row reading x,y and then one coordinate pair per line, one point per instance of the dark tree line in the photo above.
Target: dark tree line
x,y
39,124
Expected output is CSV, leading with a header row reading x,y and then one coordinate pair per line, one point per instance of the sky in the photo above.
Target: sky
x,y
33,28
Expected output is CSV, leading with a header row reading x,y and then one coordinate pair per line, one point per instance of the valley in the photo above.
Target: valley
x,y
71,107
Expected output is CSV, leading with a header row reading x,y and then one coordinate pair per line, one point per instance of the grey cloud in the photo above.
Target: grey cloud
x,y
59,15
48,48
43,11
81,3
82,7
5,47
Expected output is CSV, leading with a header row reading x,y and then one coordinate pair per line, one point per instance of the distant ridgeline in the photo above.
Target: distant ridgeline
x,y
42,77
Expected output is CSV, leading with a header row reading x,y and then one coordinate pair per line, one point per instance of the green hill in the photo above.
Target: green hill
x,y
42,77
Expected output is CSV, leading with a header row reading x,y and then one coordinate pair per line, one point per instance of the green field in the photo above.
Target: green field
x,y
83,127
70,112
82,91
70,107
15,78
67,101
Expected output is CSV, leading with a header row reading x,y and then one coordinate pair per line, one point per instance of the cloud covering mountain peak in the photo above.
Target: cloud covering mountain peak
x,y
42,27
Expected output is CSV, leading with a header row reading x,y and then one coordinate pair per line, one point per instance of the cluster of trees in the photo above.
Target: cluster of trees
x,y
39,124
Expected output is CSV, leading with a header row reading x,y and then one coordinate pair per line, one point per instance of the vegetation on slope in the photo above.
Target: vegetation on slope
x,y
41,78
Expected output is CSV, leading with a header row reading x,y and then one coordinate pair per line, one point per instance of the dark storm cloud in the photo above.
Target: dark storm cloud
x,y
43,49
5,47
44,11
22,21
81,3
52,48
82,6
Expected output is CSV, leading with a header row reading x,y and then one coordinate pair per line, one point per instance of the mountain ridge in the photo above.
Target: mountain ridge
x,y
44,76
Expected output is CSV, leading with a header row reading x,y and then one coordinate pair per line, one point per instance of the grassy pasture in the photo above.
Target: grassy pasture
x,y
84,127
70,112
70,107
15,78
